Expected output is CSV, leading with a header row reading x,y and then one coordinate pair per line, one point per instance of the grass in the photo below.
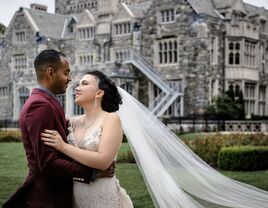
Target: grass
x,y
13,171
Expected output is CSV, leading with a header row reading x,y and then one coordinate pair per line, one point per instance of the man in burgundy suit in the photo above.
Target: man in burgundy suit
x,y
49,183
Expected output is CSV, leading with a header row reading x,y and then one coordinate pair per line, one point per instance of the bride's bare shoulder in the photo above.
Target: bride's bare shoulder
x,y
112,117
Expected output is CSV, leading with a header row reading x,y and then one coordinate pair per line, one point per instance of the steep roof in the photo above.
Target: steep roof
x,y
47,24
223,4
139,8
253,10
203,7
200,7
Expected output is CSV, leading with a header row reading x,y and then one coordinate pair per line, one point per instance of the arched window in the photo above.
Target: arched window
x,y
116,55
237,58
170,57
165,46
23,95
165,57
116,29
175,57
160,58
231,58
237,46
170,45
175,44
231,46
160,46
237,89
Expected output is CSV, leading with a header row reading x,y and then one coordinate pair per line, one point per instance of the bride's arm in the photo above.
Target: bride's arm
x,y
110,142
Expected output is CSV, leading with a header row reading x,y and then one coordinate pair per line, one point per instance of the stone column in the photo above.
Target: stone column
x,y
266,101
242,52
16,102
256,107
181,106
69,102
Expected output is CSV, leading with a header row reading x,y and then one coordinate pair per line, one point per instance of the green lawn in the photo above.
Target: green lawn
x,y
13,170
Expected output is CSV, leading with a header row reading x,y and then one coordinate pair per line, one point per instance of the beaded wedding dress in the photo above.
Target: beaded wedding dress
x,y
103,192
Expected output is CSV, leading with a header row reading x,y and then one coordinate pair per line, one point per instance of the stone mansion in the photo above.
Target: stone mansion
x,y
172,55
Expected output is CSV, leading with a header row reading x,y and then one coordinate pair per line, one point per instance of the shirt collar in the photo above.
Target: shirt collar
x,y
48,91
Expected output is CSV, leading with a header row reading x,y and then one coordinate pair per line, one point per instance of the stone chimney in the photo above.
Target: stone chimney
x,y
39,7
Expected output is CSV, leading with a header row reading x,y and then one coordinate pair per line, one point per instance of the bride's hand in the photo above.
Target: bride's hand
x,y
52,138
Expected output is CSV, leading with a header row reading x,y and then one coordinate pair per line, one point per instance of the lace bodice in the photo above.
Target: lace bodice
x,y
88,142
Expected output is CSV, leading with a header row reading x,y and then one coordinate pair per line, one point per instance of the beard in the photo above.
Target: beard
x,y
60,88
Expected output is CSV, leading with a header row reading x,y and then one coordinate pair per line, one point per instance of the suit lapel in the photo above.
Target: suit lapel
x,y
56,105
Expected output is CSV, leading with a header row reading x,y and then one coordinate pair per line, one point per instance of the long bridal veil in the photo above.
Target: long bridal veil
x,y
175,176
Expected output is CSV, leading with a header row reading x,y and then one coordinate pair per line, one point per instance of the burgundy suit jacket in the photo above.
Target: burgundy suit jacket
x,y
49,183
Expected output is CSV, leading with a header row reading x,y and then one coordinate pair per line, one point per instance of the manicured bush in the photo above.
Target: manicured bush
x,y
124,139
126,157
208,147
243,158
10,136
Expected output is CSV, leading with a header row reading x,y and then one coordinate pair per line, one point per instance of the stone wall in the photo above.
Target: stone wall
x,y
194,62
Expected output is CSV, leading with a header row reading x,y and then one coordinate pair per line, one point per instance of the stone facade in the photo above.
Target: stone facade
x,y
199,47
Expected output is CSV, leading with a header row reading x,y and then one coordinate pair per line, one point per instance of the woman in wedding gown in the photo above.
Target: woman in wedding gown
x,y
94,140
175,176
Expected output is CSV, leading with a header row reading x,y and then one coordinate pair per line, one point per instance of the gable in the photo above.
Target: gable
x,y
20,22
124,14
86,20
239,6
203,7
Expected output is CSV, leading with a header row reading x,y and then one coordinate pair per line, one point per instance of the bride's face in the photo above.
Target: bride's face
x,y
87,90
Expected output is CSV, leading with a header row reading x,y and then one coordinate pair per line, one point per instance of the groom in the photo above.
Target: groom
x,y
49,183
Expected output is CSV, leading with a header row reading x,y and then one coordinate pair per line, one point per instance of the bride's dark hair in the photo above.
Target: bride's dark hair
x,y
111,98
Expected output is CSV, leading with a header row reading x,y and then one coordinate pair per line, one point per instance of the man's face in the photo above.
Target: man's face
x,y
61,77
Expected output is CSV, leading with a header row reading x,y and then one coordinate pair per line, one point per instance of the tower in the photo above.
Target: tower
x,y
74,6
107,7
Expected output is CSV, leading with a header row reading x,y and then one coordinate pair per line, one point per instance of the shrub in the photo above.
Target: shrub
x,y
124,139
243,158
126,157
10,136
208,147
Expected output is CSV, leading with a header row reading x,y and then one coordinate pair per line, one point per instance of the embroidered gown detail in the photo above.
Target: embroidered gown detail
x,y
103,192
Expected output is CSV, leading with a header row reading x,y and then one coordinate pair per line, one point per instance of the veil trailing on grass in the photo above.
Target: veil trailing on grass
x,y
175,176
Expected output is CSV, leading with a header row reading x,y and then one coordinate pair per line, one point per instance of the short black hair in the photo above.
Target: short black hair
x,y
111,98
47,58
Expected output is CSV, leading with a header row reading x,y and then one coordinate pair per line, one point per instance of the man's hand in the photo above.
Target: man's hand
x,y
109,172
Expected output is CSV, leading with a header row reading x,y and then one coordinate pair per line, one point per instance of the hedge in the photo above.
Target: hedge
x,y
208,147
10,136
126,157
243,158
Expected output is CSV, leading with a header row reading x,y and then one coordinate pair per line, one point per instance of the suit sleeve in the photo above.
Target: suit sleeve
x,y
48,159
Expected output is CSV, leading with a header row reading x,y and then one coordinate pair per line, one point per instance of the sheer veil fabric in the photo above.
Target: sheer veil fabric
x,y
175,176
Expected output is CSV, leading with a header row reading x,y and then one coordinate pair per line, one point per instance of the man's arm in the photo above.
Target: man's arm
x,y
42,117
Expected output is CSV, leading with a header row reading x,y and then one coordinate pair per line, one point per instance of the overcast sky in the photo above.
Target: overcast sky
x,y
8,7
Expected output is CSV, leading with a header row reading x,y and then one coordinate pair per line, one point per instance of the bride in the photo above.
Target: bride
x,y
174,175
94,140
